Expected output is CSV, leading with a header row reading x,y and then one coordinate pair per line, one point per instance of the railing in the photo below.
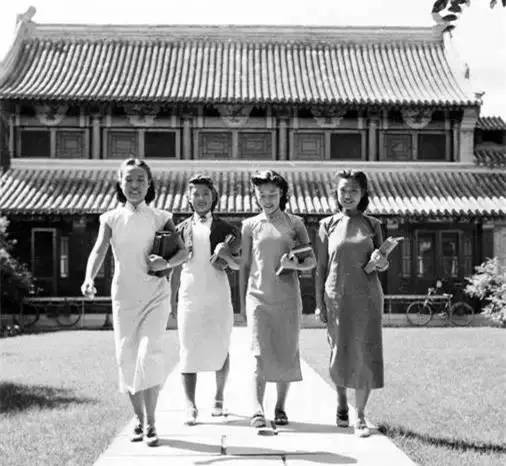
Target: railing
x,y
67,311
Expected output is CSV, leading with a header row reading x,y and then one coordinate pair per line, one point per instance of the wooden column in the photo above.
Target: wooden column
x,y
283,139
373,135
11,137
187,138
95,137
466,136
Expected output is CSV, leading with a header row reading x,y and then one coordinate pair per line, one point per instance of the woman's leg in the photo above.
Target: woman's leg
x,y
137,401
342,399
259,387
189,386
150,400
361,397
282,390
221,380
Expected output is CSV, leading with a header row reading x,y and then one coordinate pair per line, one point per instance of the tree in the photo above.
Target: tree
x,y
446,12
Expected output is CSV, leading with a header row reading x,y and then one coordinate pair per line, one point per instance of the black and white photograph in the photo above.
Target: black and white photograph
x,y
252,233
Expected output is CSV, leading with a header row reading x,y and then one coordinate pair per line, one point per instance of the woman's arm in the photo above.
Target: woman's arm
x,y
309,262
96,258
245,265
322,256
182,254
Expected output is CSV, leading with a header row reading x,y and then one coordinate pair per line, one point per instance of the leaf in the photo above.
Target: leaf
x,y
439,5
493,3
449,18
456,9
449,28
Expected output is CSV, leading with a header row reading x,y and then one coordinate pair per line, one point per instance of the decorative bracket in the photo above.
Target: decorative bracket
x,y
51,114
417,118
141,114
328,117
234,116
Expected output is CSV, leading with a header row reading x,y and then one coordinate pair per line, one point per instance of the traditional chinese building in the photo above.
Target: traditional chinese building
x,y
306,101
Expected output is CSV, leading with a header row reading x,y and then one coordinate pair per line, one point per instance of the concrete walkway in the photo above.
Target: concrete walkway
x,y
311,437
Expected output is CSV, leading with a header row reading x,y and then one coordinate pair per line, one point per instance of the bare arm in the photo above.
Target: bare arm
x,y
96,258
97,254
322,256
245,267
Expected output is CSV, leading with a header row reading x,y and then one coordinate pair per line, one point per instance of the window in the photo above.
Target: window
x,y
44,258
64,257
398,146
255,145
426,255
346,146
450,254
160,144
215,145
309,146
431,147
122,144
35,143
406,257
70,144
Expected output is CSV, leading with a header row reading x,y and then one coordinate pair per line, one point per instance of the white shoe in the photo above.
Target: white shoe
x,y
191,416
362,429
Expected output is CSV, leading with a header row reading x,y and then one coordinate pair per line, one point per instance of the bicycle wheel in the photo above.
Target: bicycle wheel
x,y
29,315
69,315
419,313
461,314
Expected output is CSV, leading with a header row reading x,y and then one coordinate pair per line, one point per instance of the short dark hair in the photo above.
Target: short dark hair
x,y
270,176
151,193
205,180
361,179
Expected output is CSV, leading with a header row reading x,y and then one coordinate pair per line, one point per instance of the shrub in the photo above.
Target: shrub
x,y
16,280
488,284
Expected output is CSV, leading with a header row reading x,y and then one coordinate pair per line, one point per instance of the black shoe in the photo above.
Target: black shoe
x,y
280,417
342,418
151,436
138,433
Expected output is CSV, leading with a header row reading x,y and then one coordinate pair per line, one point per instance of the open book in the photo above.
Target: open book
x,y
300,252
386,248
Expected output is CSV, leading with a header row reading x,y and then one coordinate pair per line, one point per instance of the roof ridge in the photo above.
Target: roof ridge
x,y
238,32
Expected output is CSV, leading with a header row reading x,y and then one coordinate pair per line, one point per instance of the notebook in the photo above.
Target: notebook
x,y
300,252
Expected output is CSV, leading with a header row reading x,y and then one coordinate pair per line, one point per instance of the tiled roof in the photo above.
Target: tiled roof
x,y
236,65
490,157
493,123
393,192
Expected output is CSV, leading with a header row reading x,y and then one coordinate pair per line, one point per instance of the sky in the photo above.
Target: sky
x,y
480,36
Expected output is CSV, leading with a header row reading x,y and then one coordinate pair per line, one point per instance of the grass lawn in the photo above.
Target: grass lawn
x,y
59,401
443,401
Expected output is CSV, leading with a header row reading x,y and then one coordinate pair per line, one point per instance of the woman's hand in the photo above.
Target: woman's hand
x,y
88,288
380,261
222,250
289,262
321,313
157,263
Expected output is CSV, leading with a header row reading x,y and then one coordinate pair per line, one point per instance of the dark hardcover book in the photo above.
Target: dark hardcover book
x,y
301,253
166,245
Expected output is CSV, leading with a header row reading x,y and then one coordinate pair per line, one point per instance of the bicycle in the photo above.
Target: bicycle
x,y
420,313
